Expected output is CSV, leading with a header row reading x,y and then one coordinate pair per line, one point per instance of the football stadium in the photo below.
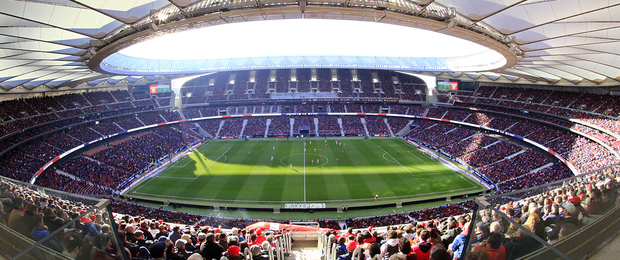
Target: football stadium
x,y
307,130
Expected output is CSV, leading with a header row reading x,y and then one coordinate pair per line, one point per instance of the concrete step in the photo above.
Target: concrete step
x,y
304,250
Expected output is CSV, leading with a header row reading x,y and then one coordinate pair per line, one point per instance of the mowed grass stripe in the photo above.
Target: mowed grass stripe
x,y
214,183
362,171
333,179
398,182
230,190
377,183
360,185
293,178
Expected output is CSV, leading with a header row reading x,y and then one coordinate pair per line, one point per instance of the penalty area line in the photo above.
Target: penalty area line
x,y
214,161
401,165
417,157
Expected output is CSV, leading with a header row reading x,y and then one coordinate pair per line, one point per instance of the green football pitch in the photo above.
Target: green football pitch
x,y
270,172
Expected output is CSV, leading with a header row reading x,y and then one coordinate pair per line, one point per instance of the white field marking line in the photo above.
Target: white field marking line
x,y
174,164
417,157
459,171
387,158
139,186
177,178
401,165
179,161
417,174
391,197
216,160
326,160
194,178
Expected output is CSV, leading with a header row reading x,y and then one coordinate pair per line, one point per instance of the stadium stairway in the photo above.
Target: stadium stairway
x,y
203,132
388,126
405,129
316,125
340,124
243,125
363,120
220,128
304,250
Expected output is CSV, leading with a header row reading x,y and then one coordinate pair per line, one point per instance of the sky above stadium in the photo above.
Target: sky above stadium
x,y
310,37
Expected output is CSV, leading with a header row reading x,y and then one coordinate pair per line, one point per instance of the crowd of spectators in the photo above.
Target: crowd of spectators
x,y
328,125
303,109
171,116
377,126
436,112
555,172
18,115
590,108
304,121
140,151
352,125
62,141
129,122
53,180
83,133
100,97
105,128
336,108
353,108
211,126
487,154
90,171
22,165
371,108
398,123
191,113
515,166
550,214
280,125
95,109
151,118
590,157
256,126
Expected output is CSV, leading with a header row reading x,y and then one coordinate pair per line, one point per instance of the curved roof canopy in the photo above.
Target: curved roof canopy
x,y
48,45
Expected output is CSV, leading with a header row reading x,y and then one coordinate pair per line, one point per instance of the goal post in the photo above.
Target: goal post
x,y
431,154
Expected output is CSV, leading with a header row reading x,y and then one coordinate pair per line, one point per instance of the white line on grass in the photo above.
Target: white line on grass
x,y
214,161
139,186
388,197
384,154
417,157
401,165
458,171
174,177
417,174
176,165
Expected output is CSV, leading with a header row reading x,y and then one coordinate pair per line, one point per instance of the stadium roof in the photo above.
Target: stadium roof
x,y
48,45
